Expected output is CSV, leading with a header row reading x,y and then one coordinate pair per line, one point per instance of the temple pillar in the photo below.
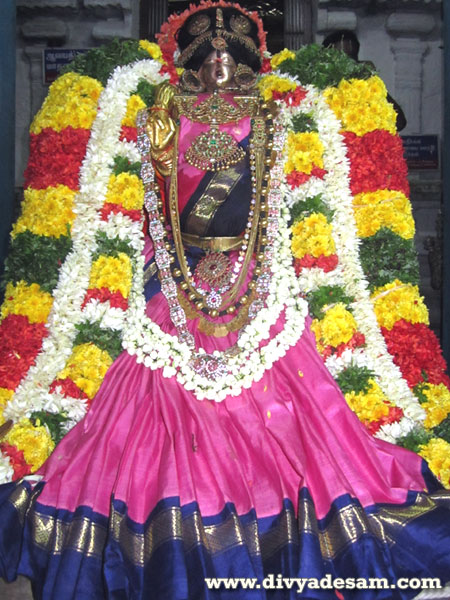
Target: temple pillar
x,y
300,17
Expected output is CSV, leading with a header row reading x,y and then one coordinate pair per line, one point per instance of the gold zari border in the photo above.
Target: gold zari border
x,y
345,527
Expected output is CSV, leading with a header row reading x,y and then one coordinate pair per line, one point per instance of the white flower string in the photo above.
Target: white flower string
x,y
335,190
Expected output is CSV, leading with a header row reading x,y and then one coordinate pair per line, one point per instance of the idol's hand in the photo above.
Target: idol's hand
x,y
161,128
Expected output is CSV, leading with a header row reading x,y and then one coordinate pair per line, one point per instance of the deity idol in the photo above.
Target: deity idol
x,y
219,444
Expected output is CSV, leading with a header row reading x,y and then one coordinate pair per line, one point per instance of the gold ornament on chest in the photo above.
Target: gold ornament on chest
x,y
214,149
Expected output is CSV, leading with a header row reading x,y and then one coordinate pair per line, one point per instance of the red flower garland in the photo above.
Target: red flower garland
x,y
16,459
356,341
115,299
56,157
416,351
110,208
68,388
297,178
394,415
290,98
129,134
21,342
326,263
377,162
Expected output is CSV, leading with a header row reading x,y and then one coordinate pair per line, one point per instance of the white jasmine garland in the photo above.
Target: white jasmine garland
x,y
66,313
335,191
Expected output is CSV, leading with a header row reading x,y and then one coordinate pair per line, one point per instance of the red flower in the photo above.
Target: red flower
x,y
109,208
115,299
394,415
377,162
68,388
266,67
318,172
356,341
21,342
17,460
128,134
326,263
55,158
416,351
295,179
290,98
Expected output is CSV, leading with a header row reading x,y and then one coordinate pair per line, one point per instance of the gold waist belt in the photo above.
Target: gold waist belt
x,y
215,244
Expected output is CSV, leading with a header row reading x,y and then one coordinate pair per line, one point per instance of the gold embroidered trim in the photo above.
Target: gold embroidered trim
x,y
215,194
345,527
215,108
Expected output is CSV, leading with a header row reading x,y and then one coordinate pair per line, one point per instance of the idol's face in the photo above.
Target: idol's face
x,y
217,71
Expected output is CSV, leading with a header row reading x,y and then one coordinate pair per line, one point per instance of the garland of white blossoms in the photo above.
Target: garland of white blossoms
x,y
144,338
104,144
335,191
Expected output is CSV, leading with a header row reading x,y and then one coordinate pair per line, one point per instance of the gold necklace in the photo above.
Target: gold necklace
x,y
215,150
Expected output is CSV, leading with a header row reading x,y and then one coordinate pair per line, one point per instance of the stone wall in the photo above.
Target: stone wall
x,y
59,23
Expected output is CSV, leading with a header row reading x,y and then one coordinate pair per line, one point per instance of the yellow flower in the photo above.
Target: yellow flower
x,y
134,105
383,208
438,405
305,150
369,406
113,273
437,454
272,83
361,105
312,235
87,367
5,397
397,300
27,300
337,327
46,212
127,190
71,102
280,57
153,49
34,440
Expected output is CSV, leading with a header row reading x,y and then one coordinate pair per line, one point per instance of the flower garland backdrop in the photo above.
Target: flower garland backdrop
x,y
74,274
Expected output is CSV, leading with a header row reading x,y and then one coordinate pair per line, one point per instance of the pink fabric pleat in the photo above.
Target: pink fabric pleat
x,y
146,438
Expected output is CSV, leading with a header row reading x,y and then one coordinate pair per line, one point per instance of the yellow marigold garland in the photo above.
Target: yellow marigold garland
x,y
27,300
304,151
438,404
437,454
46,212
127,190
153,49
71,102
312,235
361,105
134,105
397,300
337,327
280,57
383,208
113,273
87,367
34,440
272,83
369,406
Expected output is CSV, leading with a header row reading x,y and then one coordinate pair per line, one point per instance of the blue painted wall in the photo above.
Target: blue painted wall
x,y
7,115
